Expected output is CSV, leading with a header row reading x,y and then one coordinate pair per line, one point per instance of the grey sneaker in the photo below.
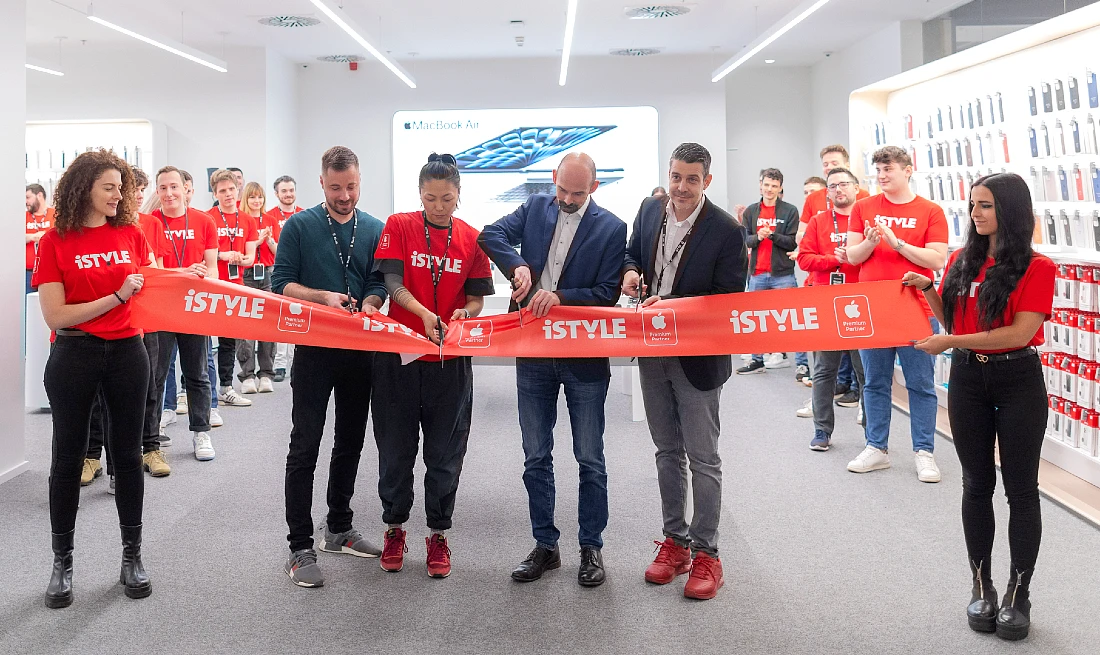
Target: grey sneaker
x,y
303,570
111,488
350,542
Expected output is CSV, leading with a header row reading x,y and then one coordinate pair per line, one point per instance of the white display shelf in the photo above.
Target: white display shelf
x,y
1073,460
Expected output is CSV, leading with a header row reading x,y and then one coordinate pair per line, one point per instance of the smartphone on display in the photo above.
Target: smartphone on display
x,y
969,153
1063,185
1048,101
1095,175
958,152
950,119
950,186
962,188
1036,186
1074,94
1075,129
930,127
1090,80
947,153
1060,142
931,162
939,119
1031,100
1063,217
939,154
1034,141
1000,108
1046,139
978,111
908,127
1052,230
1004,144
981,149
1079,183
970,114
1059,95
931,188
955,221
1090,135
992,115
939,185
1050,184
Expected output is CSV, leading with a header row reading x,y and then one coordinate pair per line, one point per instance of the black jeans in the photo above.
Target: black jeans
x,y
319,373
150,436
192,360
1003,404
227,359
78,369
425,395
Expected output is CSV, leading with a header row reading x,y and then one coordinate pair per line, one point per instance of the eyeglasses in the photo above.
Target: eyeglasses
x,y
446,159
839,185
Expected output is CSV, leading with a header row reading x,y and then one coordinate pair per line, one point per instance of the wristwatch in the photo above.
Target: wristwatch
x,y
465,310
901,242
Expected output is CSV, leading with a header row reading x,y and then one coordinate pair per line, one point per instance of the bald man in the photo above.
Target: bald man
x,y
571,253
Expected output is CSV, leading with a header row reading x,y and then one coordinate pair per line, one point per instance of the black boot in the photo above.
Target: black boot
x,y
133,573
1014,619
982,611
60,592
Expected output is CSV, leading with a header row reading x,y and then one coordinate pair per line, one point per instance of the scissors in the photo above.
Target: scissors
x,y
519,305
642,295
440,332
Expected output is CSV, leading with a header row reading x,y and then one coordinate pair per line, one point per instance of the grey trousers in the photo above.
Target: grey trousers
x,y
826,364
683,423
248,351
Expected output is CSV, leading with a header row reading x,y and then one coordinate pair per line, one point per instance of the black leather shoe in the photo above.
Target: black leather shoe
x,y
59,593
591,573
981,614
1014,619
538,562
133,574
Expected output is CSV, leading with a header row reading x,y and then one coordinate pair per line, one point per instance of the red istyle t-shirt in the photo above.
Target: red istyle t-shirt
x,y
188,237
1033,293
37,224
234,232
764,248
154,232
272,219
816,250
818,201
92,263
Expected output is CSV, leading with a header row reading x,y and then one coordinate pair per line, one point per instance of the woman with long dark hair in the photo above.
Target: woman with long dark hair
x,y
993,300
87,271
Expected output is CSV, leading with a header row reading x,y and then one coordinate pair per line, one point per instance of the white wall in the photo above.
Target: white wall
x,y
281,123
13,80
340,107
768,125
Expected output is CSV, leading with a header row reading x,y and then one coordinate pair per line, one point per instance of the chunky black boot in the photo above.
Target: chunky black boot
x,y
133,573
982,611
60,592
1014,619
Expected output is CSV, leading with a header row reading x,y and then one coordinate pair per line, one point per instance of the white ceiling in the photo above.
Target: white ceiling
x,y
469,29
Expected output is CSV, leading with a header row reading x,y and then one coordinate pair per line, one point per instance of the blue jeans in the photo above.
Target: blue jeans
x,y
846,375
170,381
538,381
766,281
919,371
29,287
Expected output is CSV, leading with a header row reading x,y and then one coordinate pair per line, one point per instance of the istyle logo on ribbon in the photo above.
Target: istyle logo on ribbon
x,y
475,334
294,317
853,317
659,327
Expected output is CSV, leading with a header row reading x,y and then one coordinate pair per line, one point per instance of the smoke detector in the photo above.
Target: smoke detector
x,y
289,21
340,59
656,11
634,52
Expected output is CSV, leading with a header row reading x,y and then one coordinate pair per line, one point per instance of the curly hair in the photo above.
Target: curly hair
x,y
72,198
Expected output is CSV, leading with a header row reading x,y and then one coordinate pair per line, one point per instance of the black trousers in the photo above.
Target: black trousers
x,y
192,360
150,436
78,369
227,359
319,373
428,396
1002,404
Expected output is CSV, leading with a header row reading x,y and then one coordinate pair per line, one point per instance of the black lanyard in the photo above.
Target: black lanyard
x,y
172,237
233,236
836,229
437,275
679,247
351,247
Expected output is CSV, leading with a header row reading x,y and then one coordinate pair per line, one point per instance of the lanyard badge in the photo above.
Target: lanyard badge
x,y
352,305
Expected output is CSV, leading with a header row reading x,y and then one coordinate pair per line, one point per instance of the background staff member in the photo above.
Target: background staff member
x,y
39,219
193,248
237,241
434,270
571,253
686,246
890,235
996,294
86,271
286,194
326,256
258,276
825,233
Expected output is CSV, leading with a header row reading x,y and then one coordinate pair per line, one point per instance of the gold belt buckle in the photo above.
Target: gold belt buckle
x,y
982,358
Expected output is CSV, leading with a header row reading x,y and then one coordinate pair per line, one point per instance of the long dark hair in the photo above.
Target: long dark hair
x,y
1015,229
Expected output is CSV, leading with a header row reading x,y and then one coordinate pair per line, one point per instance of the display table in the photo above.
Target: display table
x,y
37,352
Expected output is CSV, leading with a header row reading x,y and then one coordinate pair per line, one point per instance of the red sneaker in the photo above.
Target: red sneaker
x,y
439,556
393,550
672,560
705,579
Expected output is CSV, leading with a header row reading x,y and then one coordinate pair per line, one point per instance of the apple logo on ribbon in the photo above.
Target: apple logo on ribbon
x,y
658,321
852,310
295,308
476,331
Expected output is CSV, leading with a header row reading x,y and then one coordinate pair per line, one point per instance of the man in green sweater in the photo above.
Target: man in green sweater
x,y
326,256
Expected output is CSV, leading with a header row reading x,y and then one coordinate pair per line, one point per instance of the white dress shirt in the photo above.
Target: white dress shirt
x,y
675,231
564,231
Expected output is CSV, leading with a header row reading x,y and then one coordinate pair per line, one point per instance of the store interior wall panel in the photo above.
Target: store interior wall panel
x,y
281,140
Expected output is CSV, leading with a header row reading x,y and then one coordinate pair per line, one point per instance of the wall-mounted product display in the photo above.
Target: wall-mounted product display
x,y
52,146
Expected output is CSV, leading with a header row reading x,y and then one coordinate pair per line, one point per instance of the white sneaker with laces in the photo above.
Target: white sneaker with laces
x,y
266,385
216,418
181,403
859,416
927,471
777,360
871,459
807,410
204,447
167,417
231,398
249,386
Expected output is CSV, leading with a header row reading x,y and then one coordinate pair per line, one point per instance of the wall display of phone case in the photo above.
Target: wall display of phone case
x,y
52,146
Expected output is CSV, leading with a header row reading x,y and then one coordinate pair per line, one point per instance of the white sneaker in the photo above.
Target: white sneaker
x,y
266,385
204,448
230,397
871,459
927,471
167,417
181,403
859,416
777,360
216,418
807,410
249,386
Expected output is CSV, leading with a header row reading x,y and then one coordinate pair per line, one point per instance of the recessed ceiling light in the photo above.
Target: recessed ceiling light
x,y
769,61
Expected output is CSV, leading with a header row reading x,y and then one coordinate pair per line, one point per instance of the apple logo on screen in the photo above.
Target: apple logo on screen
x,y
852,310
295,308
408,126
658,322
476,331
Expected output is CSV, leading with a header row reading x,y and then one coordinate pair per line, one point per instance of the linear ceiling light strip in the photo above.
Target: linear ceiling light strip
x,y
167,45
567,47
729,67
345,24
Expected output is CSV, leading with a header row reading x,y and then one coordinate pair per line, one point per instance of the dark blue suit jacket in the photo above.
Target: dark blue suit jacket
x,y
714,260
592,274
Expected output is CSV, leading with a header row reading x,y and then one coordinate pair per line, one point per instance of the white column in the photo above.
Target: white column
x,y
13,118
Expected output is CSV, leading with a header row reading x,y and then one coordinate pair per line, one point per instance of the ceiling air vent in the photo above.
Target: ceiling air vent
x,y
289,21
340,59
656,11
635,52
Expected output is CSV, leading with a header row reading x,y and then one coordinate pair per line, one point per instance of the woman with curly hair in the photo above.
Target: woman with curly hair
x,y
993,300
87,271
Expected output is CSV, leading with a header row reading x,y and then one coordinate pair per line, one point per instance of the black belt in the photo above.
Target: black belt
x,y
69,332
994,357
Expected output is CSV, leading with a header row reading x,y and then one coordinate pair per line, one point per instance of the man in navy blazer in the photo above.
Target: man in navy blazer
x,y
571,253
685,246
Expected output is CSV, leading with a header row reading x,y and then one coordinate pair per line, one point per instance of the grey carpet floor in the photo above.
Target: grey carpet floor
x,y
817,560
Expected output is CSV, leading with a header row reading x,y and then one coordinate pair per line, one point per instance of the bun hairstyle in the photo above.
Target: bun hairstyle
x,y
440,167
